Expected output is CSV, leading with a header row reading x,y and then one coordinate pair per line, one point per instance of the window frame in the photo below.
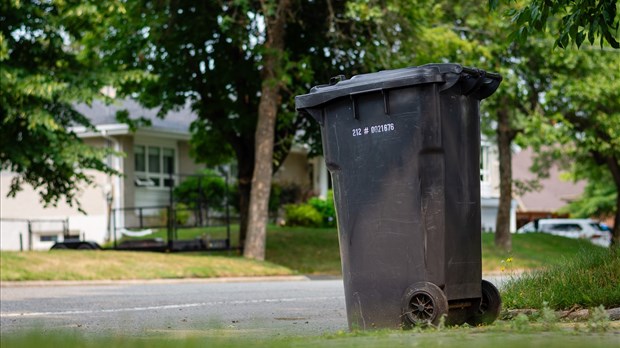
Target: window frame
x,y
154,180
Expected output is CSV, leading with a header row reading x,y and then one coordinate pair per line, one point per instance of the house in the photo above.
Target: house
x,y
554,193
144,189
151,153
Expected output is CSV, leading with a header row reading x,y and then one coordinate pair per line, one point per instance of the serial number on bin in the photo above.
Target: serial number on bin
x,y
380,128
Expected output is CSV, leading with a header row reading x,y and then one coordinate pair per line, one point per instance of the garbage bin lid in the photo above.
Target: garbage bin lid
x,y
390,79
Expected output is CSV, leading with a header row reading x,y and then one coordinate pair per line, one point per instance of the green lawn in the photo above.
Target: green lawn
x,y
117,265
315,251
289,251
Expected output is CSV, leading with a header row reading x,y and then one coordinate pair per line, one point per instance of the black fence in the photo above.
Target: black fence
x,y
195,201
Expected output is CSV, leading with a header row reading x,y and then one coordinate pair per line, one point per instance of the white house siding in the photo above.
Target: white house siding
x,y
294,170
186,163
26,205
320,176
13,235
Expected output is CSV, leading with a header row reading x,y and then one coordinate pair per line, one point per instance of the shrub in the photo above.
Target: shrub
x,y
302,215
316,212
326,208
207,187
181,215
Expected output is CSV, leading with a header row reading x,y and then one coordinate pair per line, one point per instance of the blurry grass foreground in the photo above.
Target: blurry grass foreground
x,y
123,265
459,337
588,279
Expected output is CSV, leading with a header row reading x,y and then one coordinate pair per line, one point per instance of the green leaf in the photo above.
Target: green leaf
x,y
610,39
524,16
592,32
581,36
123,116
563,40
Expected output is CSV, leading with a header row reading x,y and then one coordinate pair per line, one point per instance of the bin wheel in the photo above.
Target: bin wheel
x,y
489,308
424,303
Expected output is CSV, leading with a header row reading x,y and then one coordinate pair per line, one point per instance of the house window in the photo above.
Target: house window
x,y
48,238
153,166
484,164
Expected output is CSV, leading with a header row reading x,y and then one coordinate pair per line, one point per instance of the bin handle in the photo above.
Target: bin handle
x,y
470,87
485,84
386,100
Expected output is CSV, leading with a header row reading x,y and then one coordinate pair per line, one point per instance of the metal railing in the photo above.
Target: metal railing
x,y
177,215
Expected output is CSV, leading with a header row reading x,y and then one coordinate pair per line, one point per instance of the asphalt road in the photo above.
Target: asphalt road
x,y
202,308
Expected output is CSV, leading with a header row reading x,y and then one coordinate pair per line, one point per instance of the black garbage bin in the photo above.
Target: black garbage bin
x,y
403,150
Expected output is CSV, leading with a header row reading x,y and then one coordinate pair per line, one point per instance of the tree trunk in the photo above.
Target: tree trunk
x,y
503,239
244,185
614,167
267,111
244,152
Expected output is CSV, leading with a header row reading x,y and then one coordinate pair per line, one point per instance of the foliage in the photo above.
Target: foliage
x,y
502,115
577,20
547,317
285,193
325,207
540,84
211,56
48,63
598,199
580,119
182,213
599,320
316,212
206,188
302,215
520,323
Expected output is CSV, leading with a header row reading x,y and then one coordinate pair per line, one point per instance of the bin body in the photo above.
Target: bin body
x,y
403,150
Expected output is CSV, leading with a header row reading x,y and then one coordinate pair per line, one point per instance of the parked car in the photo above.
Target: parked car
x,y
571,228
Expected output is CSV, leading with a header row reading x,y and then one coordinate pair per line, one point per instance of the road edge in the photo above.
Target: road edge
x,y
45,283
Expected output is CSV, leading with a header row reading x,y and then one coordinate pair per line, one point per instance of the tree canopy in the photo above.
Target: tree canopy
x,y
580,120
48,63
571,21
238,62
